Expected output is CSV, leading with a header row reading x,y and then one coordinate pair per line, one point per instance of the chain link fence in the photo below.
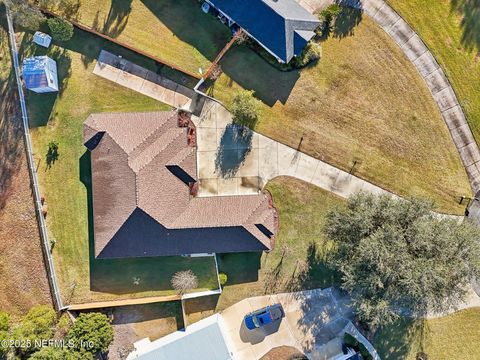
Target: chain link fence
x,y
33,173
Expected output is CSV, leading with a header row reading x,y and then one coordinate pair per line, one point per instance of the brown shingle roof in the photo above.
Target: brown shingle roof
x,y
143,208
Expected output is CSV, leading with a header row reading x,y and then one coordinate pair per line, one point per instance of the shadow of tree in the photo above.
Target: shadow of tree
x,y
190,24
11,136
470,11
344,25
325,315
346,21
116,20
69,9
398,340
235,145
52,154
320,272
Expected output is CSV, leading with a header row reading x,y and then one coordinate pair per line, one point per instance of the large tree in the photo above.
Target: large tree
x,y
398,257
26,15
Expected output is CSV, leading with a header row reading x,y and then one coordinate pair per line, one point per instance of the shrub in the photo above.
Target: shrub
x,y
61,30
55,353
245,108
182,281
4,327
350,340
223,278
330,13
93,329
312,52
364,352
38,325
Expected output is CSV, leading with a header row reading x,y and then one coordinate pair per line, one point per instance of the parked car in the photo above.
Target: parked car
x,y
264,316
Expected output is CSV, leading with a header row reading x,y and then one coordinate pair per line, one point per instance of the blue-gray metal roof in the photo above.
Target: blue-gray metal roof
x,y
282,26
204,344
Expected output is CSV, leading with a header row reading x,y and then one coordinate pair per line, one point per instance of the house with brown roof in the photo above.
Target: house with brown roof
x,y
144,181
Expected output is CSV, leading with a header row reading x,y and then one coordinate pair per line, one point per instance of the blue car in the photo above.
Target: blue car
x,y
264,316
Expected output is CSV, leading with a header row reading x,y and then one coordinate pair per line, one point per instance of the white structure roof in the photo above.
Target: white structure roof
x,y
202,340
42,39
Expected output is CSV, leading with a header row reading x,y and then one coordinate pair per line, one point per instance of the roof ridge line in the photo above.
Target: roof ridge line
x,y
286,17
161,125
260,203
162,149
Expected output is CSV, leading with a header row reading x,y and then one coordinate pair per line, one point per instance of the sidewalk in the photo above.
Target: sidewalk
x,y
144,81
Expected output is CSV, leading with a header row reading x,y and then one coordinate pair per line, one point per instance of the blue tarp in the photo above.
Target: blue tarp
x,y
40,72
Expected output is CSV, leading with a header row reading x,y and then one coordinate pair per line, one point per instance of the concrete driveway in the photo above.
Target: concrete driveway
x,y
314,323
233,160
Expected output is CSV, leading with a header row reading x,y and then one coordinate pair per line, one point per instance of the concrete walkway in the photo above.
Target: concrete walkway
x,y
144,81
433,75
232,160
314,323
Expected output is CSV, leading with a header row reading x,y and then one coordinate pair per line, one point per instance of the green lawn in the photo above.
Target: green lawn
x,y
451,29
176,31
450,337
364,102
302,208
66,184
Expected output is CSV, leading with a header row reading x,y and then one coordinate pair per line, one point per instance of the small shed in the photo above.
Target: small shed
x,y
40,74
42,39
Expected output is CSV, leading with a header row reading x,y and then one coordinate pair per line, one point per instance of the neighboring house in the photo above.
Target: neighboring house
x,y
282,27
204,339
40,74
144,182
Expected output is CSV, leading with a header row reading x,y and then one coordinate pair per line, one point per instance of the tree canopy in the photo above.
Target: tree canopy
x,y
93,329
37,325
59,353
244,108
397,256
61,30
4,328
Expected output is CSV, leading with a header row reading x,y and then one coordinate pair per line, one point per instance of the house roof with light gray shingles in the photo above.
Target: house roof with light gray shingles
x,y
144,170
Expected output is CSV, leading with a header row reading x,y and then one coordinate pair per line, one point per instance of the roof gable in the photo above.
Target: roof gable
x,y
143,167
271,22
